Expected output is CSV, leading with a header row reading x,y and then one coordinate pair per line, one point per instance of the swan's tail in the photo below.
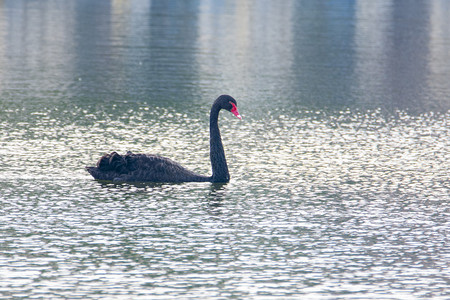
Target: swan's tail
x,y
109,164
94,172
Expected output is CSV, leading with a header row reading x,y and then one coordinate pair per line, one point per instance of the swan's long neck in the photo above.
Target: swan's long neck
x,y
217,154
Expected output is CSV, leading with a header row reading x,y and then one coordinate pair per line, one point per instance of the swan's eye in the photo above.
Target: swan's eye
x,y
234,110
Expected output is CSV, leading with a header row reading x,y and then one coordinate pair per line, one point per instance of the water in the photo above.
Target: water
x,y
339,168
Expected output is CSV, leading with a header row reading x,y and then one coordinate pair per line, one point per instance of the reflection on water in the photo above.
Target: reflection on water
x,y
339,170
387,54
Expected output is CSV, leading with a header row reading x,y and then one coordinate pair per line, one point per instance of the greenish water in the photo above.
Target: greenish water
x,y
339,169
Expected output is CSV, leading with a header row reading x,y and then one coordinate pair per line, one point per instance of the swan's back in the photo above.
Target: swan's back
x,y
141,167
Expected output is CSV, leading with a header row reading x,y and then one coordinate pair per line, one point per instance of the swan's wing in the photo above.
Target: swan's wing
x,y
141,167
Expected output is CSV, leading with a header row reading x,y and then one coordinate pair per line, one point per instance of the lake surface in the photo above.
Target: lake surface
x,y
339,169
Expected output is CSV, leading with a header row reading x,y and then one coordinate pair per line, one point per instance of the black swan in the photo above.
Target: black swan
x,y
153,168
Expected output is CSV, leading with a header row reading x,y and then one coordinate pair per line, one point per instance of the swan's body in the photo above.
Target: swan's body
x,y
132,167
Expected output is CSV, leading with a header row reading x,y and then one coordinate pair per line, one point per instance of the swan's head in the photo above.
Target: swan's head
x,y
229,103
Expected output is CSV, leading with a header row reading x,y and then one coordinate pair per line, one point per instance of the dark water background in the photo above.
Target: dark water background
x,y
340,167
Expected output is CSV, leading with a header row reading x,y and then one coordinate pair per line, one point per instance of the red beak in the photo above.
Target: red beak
x,y
234,110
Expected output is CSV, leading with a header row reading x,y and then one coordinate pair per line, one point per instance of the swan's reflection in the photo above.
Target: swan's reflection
x,y
130,185
215,197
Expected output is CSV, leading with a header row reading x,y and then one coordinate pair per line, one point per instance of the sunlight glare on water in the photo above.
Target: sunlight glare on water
x,y
328,222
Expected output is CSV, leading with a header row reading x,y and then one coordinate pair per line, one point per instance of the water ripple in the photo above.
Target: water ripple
x,y
350,203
